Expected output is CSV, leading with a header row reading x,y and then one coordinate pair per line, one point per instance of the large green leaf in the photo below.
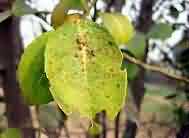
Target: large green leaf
x,y
20,8
84,70
160,31
119,26
31,75
11,133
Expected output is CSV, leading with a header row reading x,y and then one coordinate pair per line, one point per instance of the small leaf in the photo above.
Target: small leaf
x,y
74,4
4,15
160,31
132,70
137,45
119,26
84,70
11,133
60,11
20,8
31,75
58,15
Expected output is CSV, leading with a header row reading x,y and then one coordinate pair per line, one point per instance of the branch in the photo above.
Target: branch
x,y
94,2
155,68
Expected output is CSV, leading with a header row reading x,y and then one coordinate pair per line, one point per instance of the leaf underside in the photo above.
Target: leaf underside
x,y
32,78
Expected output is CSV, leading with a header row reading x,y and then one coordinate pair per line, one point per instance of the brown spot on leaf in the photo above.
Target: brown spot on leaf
x,y
77,40
92,53
110,42
107,96
82,62
76,55
111,70
81,40
118,85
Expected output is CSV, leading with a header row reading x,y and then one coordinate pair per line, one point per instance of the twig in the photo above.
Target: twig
x,y
37,114
104,126
117,123
155,68
45,25
130,130
94,2
43,12
66,131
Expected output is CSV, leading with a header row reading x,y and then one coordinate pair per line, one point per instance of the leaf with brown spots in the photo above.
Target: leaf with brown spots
x,y
82,63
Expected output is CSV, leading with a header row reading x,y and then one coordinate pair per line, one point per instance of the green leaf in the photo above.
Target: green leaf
x,y
58,15
84,70
31,75
11,133
4,15
74,4
132,70
60,11
137,45
160,31
20,8
119,26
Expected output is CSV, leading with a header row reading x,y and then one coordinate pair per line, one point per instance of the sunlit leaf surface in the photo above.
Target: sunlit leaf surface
x,y
119,26
82,63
